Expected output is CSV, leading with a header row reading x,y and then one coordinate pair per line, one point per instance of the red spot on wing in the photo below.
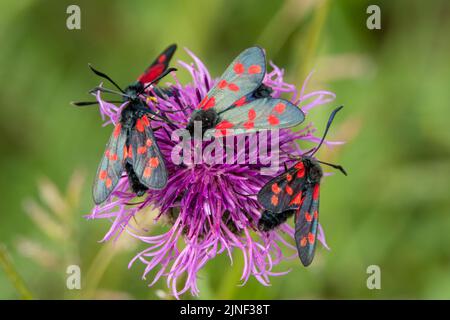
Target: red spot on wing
x,y
251,114
202,103
274,200
233,87
316,192
152,73
303,242
224,124
299,165
273,120
289,190
316,214
142,150
254,68
125,152
311,238
239,68
102,175
162,58
249,125
240,102
140,125
149,143
279,108
153,162
147,172
275,188
297,199
301,169
308,217
108,183
288,177
145,121
130,152
222,84
209,103
113,157
117,130
221,133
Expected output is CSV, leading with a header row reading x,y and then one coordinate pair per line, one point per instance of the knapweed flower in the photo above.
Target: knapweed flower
x,y
209,203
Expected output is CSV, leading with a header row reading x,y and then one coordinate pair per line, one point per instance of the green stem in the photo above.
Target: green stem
x,y
97,269
13,275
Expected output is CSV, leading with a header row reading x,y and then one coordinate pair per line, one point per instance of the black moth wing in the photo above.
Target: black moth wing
x,y
111,166
284,192
164,57
147,161
307,224
158,66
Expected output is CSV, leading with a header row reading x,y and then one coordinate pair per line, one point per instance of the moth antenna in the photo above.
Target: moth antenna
x,y
309,151
83,103
88,103
105,76
336,166
155,100
330,120
163,118
157,128
173,111
94,90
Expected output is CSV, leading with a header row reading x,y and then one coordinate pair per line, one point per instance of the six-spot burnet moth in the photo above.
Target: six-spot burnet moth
x,y
240,101
296,191
132,146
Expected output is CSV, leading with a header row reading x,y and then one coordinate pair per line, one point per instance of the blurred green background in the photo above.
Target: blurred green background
x,y
393,210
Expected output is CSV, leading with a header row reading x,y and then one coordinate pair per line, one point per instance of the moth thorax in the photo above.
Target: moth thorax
x,y
263,91
133,90
208,119
127,117
315,172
